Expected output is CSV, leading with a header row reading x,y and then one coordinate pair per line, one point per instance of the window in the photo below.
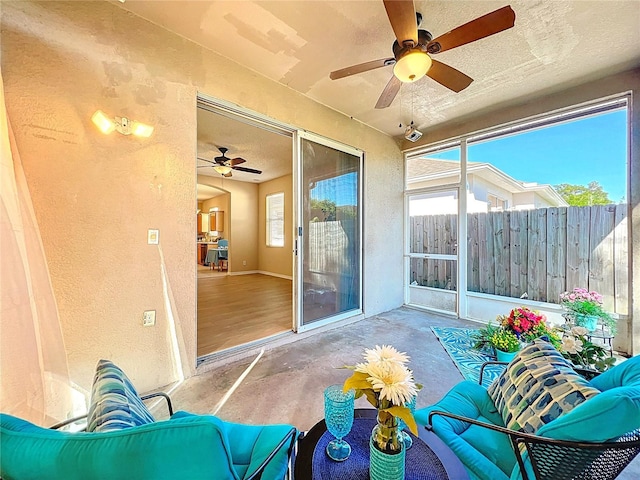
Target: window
x,y
275,220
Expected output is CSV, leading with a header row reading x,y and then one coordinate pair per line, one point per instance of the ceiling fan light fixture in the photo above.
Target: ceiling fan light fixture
x,y
412,66
222,169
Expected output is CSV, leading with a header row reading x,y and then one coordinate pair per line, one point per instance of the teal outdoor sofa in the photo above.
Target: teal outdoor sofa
x,y
125,442
541,420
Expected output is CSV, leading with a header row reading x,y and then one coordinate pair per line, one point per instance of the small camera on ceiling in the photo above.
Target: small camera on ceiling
x,y
412,134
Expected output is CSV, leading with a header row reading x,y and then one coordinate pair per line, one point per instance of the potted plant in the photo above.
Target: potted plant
x,y
482,339
577,348
506,344
585,309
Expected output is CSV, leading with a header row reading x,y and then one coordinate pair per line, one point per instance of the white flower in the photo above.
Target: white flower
x,y
571,345
580,331
393,381
385,353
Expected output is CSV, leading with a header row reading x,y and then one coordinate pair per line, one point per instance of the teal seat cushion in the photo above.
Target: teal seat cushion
x,y
251,444
615,411
114,404
193,447
486,454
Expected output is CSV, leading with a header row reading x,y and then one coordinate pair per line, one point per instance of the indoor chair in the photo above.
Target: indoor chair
x,y
223,255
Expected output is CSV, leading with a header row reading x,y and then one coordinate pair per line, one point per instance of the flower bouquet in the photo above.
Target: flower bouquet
x,y
388,385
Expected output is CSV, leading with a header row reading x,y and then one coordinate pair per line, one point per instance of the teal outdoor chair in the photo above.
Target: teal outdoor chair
x,y
185,446
596,439
124,441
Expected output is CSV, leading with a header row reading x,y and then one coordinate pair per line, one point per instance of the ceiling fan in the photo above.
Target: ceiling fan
x,y
225,165
413,48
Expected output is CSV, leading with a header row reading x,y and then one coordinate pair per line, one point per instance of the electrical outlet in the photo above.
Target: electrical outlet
x,y
244,262
149,318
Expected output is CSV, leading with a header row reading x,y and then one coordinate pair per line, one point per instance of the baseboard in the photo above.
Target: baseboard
x,y
286,277
246,272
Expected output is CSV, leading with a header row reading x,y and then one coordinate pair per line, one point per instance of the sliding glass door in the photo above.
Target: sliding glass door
x,y
329,236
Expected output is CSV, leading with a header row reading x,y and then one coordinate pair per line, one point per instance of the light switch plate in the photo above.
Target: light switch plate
x,y
153,237
149,318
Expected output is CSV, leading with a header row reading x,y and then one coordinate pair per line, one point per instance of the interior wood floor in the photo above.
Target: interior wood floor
x,y
237,309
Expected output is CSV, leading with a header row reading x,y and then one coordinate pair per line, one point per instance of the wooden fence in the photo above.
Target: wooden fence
x,y
541,252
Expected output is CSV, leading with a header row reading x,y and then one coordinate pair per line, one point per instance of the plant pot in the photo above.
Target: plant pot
x,y
590,322
505,356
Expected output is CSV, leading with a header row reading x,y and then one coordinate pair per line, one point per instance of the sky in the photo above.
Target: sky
x,y
578,152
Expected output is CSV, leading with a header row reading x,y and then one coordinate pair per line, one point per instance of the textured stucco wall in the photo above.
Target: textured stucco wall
x,y
629,335
278,260
95,196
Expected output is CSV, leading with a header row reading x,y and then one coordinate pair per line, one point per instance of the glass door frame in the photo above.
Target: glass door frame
x,y
299,247
460,188
408,255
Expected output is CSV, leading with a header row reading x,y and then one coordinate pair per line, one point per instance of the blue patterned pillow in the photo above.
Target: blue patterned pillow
x,y
537,387
115,404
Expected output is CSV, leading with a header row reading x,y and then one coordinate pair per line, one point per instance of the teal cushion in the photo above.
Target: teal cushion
x,y
485,453
252,444
193,447
615,411
625,374
538,386
115,404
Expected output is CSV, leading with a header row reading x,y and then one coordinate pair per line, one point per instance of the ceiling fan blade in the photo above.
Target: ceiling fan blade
x,y
402,16
389,92
481,27
448,76
204,166
236,161
249,170
362,67
205,160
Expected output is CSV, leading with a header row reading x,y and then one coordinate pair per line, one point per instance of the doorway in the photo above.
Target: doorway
x,y
293,223
244,281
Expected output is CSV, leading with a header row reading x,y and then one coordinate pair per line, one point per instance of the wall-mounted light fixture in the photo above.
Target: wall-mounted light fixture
x,y
122,124
222,169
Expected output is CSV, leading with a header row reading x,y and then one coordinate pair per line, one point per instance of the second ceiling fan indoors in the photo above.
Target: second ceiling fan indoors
x,y
225,165
413,48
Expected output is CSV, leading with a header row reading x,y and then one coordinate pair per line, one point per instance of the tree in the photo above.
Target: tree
x,y
581,196
323,210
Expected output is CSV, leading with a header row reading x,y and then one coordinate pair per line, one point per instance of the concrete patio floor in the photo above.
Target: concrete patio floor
x,y
287,383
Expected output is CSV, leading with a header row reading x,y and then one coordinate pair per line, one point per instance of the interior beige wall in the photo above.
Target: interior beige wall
x,y
222,203
95,196
629,335
276,260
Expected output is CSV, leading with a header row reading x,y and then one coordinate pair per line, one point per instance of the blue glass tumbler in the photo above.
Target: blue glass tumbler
x,y
411,405
338,415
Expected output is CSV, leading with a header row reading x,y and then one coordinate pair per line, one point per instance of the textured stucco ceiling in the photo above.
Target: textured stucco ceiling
x,y
554,44
263,150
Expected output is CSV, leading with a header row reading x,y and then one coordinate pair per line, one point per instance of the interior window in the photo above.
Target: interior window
x,y
275,220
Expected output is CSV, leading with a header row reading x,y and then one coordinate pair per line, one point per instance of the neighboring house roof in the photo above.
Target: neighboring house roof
x,y
424,169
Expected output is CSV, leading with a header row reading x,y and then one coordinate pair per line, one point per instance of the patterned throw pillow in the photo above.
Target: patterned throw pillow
x,y
115,404
537,387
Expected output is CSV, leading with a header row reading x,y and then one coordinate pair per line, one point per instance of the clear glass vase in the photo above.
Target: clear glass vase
x,y
387,449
